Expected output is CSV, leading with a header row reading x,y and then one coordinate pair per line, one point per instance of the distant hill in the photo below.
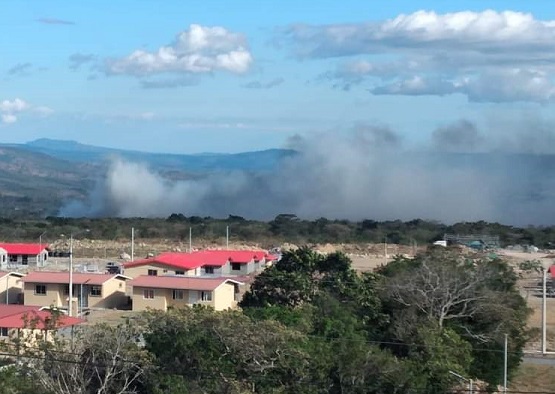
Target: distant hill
x,y
77,152
36,177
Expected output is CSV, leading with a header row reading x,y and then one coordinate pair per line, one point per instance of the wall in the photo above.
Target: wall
x,y
141,304
246,268
54,295
14,285
32,260
224,297
134,272
112,296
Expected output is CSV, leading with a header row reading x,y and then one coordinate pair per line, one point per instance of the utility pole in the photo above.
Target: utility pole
x,y
132,243
227,237
69,306
505,364
190,240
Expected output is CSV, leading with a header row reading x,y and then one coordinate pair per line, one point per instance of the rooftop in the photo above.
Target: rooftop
x,y
24,316
20,248
63,277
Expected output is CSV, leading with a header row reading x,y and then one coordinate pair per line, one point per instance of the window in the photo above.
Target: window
x,y
3,258
180,272
165,271
13,258
178,295
148,294
96,291
66,289
208,270
206,295
235,267
152,272
4,332
40,289
24,259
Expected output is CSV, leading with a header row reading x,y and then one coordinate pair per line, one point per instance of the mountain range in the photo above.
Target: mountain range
x,y
38,176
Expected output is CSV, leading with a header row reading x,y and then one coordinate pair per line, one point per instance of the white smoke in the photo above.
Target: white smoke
x,y
364,175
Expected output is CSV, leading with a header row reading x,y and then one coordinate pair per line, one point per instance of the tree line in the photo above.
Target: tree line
x,y
308,324
283,228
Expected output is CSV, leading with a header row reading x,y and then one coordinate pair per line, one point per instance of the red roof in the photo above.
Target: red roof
x,y
180,282
189,261
23,248
22,316
552,271
63,277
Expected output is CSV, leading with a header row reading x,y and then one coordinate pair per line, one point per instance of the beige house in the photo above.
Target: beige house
x,y
163,292
89,290
11,287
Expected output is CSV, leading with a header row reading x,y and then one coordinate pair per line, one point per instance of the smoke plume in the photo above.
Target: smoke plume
x,y
366,174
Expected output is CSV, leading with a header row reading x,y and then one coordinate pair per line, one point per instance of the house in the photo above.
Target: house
x,y
206,262
89,290
163,292
30,323
23,255
11,287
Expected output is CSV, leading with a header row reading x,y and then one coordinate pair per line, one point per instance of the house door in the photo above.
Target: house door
x,y
193,297
82,299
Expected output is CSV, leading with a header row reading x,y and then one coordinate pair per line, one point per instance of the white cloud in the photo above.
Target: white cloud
x,y
466,52
16,105
491,86
9,118
9,110
199,49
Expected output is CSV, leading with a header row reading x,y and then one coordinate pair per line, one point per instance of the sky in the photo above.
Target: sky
x,y
232,76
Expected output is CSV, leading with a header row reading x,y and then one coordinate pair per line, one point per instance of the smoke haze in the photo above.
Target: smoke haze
x,y
366,174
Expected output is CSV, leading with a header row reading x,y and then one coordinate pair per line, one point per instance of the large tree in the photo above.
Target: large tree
x,y
472,296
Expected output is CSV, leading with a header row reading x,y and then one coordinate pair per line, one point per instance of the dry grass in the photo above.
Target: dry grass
x,y
534,378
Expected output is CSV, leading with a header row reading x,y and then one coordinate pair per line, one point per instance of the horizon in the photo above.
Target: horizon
x,y
189,78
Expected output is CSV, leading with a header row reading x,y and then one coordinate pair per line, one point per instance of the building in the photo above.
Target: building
x,y
30,323
11,287
163,292
89,290
202,263
18,255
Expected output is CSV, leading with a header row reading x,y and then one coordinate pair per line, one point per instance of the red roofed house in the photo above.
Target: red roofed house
x,y
89,290
163,292
30,322
206,262
23,255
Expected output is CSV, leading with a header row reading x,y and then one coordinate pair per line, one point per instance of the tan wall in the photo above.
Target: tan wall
x,y
54,295
224,297
134,272
113,295
14,285
142,304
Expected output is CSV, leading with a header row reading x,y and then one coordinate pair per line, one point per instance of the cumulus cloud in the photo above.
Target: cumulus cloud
x,y
197,50
471,53
10,110
264,85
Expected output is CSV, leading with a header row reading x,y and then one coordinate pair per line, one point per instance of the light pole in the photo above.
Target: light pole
x,y
546,264
470,381
41,259
69,310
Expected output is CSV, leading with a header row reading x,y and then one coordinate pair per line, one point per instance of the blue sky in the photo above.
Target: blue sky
x,y
230,76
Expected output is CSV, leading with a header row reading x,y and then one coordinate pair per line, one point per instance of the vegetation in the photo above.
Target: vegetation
x,y
308,324
283,228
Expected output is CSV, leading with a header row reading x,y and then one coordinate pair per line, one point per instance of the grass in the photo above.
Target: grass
x,y
534,378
